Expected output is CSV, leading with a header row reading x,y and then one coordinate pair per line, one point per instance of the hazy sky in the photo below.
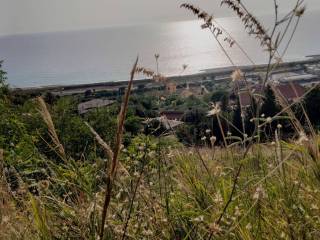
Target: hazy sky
x,y
27,16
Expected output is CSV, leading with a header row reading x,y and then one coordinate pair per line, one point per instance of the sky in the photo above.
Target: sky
x,y
31,16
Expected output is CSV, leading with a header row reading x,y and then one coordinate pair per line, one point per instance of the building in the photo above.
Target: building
x,y
171,87
92,104
245,97
294,77
289,91
172,115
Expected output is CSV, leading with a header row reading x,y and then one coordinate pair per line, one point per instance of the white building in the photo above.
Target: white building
x,y
94,103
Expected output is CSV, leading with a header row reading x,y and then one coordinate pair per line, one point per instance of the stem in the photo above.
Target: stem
x,y
113,170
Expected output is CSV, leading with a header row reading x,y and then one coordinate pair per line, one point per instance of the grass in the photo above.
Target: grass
x,y
158,189
203,195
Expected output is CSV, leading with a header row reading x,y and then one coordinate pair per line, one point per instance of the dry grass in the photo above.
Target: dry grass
x,y
247,190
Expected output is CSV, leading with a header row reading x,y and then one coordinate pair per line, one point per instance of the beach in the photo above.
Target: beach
x,y
213,75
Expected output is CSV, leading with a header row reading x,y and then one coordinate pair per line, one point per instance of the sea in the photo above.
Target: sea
x,y
107,54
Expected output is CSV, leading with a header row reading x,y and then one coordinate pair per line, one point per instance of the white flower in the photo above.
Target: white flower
x,y
269,120
215,109
203,138
213,140
262,115
237,211
249,226
215,228
208,131
199,219
259,193
237,75
218,198
118,195
148,232
279,126
302,138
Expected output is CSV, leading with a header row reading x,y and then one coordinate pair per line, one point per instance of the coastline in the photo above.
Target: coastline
x,y
204,74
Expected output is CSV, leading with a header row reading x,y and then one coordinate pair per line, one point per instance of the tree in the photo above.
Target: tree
x,y
4,89
237,121
312,101
269,107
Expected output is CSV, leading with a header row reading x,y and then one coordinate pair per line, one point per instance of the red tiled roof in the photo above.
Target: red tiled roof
x,y
290,91
245,99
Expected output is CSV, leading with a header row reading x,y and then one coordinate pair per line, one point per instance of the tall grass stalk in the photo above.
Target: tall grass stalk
x,y
114,164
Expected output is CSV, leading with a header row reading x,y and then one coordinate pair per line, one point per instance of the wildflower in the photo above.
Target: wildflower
x,y
213,139
249,226
269,120
215,110
237,75
302,138
208,131
300,11
199,219
215,229
151,154
259,193
148,232
218,198
118,195
279,126
237,211
44,184
262,115
203,138
141,148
